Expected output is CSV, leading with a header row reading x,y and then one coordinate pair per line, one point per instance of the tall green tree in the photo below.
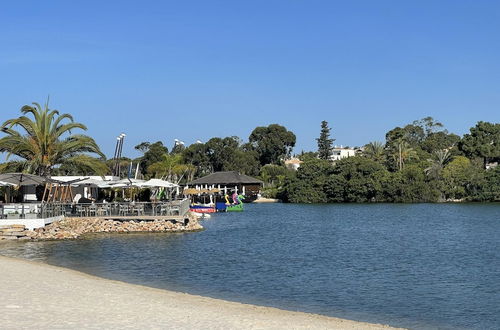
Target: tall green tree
x,y
428,124
325,143
171,168
402,153
45,142
153,153
439,141
483,141
197,155
457,177
437,163
375,151
272,143
221,151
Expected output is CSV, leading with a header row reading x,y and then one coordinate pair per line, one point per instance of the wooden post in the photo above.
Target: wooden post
x,y
45,191
54,194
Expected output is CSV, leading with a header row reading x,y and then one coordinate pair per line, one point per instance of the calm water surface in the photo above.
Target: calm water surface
x,y
422,266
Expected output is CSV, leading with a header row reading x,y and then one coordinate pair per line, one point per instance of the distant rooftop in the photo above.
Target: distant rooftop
x,y
293,161
226,178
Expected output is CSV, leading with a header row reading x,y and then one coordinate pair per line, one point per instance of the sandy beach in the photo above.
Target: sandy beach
x,y
39,296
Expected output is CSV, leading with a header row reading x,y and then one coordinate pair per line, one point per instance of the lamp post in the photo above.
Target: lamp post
x,y
177,143
118,153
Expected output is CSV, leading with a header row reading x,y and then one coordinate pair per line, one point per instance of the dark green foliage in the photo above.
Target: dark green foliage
x,y
274,174
153,153
422,164
483,141
359,178
334,188
491,189
325,144
221,151
307,155
272,143
245,162
307,186
178,148
439,141
274,177
197,155
222,154
413,186
300,191
142,147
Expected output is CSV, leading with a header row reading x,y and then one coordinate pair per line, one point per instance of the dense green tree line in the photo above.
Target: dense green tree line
x,y
419,162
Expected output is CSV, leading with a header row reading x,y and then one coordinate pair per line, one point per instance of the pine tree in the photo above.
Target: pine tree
x,y
325,144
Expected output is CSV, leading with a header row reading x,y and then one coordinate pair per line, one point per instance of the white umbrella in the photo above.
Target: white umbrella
x,y
158,183
125,183
6,184
87,182
23,179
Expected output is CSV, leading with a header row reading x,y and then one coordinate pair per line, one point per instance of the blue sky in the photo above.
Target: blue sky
x,y
159,70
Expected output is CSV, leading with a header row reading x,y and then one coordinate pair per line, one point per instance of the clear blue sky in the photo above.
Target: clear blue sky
x,y
160,70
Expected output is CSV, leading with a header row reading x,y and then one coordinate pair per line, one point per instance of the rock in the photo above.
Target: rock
x,y
75,227
2,237
9,230
13,233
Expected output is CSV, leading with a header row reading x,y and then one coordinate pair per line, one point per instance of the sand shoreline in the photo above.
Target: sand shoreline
x,y
41,296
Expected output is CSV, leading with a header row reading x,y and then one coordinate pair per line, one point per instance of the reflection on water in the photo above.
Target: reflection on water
x,y
419,266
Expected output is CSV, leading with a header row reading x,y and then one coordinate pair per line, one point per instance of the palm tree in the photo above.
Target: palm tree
x,y
375,151
46,142
403,153
438,162
171,168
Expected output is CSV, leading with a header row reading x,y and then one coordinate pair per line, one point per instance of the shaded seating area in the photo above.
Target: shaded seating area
x,y
76,197
226,182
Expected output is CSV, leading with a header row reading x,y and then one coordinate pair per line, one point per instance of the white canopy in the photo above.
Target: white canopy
x,y
159,183
6,184
125,183
90,182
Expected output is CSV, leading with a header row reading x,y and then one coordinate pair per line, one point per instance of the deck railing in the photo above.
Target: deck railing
x,y
49,210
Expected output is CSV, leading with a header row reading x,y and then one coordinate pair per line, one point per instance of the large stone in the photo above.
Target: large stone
x,y
13,233
9,230
3,237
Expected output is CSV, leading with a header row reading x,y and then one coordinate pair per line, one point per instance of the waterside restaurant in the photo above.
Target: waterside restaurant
x,y
35,201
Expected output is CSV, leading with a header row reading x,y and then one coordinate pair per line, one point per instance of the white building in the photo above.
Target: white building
x,y
293,164
342,152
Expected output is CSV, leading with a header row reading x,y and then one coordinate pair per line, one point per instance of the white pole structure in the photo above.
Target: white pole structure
x,y
137,170
243,190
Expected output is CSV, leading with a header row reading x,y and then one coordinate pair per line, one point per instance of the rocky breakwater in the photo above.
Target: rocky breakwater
x,y
13,232
70,228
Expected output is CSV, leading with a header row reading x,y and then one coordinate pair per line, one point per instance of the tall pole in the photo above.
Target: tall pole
x,y
137,170
118,169
116,148
115,156
120,148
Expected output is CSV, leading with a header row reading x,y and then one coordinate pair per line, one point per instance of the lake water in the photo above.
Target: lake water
x,y
422,266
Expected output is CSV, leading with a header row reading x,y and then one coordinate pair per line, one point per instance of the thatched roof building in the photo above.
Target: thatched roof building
x,y
226,178
245,184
